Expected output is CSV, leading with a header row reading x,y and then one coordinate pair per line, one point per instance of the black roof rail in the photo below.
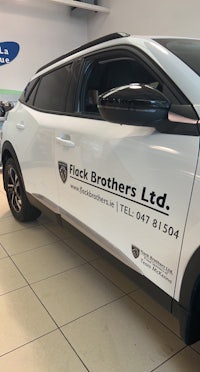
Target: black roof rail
x,y
100,40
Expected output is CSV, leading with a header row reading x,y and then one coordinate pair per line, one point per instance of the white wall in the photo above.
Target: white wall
x,y
147,17
44,30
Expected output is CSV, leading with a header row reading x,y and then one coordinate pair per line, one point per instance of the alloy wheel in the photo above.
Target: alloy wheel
x,y
14,190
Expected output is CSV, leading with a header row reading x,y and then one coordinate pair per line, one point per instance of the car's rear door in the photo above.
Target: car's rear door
x,y
45,108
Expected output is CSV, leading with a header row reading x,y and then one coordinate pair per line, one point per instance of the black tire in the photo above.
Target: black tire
x,y
20,207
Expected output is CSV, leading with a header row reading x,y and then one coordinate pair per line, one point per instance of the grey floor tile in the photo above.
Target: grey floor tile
x,y
156,309
196,346
28,238
23,319
122,337
85,248
43,262
114,274
2,252
62,233
4,208
74,293
10,277
186,360
50,353
9,224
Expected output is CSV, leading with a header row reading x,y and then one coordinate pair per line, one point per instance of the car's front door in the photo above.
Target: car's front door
x,y
128,186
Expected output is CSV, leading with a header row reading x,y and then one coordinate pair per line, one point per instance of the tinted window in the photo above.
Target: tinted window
x,y
105,75
52,91
188,50
31,96
28,91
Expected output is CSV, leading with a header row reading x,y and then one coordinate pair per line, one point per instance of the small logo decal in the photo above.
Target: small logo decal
x,y
135,251
63,171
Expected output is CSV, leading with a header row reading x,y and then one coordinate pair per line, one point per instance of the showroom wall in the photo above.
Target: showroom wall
x,y
44,30
155,17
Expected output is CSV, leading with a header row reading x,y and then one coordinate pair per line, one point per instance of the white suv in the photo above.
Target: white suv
x,y
107,138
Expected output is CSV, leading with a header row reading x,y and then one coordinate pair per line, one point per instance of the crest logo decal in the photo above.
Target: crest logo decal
x,y
63,171
135,251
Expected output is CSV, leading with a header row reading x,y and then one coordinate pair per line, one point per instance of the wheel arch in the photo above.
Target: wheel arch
x,y
9,152
21,207
189,301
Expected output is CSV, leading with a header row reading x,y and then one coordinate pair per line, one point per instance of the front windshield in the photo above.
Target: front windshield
x,y
188,50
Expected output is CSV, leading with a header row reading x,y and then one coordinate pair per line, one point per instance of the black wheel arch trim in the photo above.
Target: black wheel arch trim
x,y
187,309
7,152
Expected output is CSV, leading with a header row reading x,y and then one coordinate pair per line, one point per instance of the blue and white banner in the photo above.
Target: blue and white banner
x,y
8,52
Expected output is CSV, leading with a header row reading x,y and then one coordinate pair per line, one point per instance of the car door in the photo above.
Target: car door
x,y
45,107
128,187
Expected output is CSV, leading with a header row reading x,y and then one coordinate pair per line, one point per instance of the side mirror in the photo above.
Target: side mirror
x,y
134,104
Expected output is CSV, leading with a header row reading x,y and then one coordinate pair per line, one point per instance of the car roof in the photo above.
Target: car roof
x,y
113,36
110,39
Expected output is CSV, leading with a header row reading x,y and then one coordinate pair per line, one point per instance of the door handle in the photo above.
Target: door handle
x,y
65,141
20,125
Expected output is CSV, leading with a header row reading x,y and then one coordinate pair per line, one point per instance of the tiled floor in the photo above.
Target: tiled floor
x,y
66,307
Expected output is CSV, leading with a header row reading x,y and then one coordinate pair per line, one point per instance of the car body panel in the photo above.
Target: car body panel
x,y
142,161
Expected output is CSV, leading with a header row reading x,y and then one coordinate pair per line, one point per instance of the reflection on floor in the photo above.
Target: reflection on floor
x,y
65,306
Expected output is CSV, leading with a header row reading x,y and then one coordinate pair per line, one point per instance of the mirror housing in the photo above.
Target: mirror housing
x,y
134,104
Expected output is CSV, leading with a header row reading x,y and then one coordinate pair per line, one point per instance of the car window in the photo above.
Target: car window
x,y
53,89
27,93
107,74
30,96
